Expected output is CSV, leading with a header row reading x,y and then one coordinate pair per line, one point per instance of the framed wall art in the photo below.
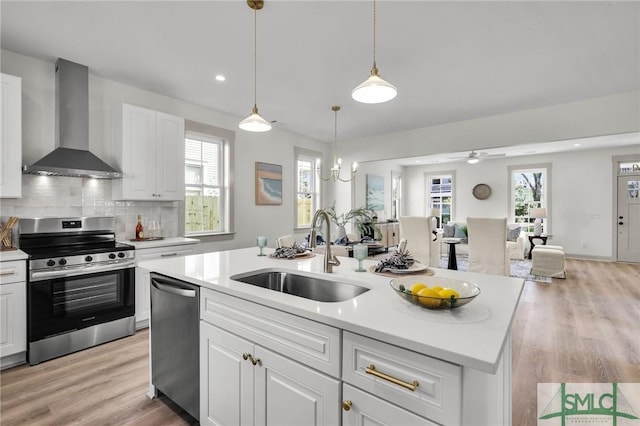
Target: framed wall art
x,y
375,192
268,184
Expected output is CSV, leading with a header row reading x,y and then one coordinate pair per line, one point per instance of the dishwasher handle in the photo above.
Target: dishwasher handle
x,y
172,287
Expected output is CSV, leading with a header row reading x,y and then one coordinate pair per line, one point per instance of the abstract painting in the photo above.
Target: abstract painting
x,y
375,192
268,184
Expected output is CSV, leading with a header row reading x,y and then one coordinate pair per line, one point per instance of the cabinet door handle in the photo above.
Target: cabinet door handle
x,y
372,370
246,356
346,405
255,361
8,271
168,254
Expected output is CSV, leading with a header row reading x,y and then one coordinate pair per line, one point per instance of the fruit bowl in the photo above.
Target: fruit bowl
x,y
458,293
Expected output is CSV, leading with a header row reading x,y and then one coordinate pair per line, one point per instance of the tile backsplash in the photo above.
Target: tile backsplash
x,y
44,196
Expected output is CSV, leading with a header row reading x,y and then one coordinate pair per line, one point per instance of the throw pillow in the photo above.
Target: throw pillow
x,y
459,232
513,233
448,231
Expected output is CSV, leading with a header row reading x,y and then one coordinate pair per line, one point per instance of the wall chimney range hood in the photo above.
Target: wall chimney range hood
x,y
72,156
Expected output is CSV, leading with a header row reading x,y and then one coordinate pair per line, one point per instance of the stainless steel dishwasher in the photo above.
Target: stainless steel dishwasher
x,y
175,367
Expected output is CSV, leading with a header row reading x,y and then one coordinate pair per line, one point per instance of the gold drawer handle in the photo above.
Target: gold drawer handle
x,y
372,370
346,405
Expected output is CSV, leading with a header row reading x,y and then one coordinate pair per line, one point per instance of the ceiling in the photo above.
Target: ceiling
x,y
450,61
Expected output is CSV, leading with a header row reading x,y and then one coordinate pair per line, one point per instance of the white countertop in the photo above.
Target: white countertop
x,y
472,335
165,242
8,255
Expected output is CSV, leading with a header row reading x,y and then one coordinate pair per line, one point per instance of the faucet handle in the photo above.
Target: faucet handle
x,y
334,261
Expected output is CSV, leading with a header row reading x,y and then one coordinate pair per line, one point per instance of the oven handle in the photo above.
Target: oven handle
x,y
170,288
46,275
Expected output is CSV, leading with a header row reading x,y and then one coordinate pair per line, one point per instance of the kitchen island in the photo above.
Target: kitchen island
x,y
466,352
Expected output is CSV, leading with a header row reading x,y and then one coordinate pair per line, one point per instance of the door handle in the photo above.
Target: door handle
x,y
168,288
620,223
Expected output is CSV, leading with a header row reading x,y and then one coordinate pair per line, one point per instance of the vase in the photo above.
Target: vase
x,y
342,232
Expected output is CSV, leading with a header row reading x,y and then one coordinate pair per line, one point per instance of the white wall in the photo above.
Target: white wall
x,y
105,98
582,211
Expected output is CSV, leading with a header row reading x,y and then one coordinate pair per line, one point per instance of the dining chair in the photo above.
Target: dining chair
x,y
487,246
285,241
417,231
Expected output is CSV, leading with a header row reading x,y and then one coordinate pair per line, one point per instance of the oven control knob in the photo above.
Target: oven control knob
x,y
121,255
88,259
51,263
112,255
62,261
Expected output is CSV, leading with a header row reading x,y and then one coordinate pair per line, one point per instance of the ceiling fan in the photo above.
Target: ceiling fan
x,y
473,157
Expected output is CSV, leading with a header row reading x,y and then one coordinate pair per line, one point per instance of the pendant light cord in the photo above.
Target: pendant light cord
x,y
374,33
255,58
335,136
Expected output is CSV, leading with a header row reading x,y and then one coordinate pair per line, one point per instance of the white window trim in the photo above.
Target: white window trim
x,y
546,189
427,184
298,153
228,138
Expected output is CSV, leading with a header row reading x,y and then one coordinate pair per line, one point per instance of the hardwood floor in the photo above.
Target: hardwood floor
x,y
582,329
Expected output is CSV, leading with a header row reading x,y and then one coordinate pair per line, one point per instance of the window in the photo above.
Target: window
x,y
307,187
530,188
396,195
207,193
440,196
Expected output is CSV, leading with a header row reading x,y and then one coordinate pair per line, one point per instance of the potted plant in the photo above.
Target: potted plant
x,y
361,216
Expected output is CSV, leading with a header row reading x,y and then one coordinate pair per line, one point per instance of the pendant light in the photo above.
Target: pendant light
x,y
374,90
335,171
255,123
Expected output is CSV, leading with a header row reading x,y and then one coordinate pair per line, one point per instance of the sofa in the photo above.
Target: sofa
x,y
516,239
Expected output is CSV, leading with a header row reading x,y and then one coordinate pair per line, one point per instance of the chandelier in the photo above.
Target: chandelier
x,y
335,171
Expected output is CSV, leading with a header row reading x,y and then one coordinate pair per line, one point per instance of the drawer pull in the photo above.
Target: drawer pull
x,y
8,271
372,370
346,405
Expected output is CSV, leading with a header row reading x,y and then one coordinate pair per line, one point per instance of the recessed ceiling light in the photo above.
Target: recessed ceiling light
x,y
220,77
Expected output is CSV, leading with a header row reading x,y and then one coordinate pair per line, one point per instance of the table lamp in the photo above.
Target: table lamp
x,y
539,213
434,213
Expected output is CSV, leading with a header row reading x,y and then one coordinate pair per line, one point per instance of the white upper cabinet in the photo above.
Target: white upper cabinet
x,y
10,136
149,149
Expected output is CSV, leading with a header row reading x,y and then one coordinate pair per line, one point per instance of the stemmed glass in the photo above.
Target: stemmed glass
x,y
261,241
360,252
153,227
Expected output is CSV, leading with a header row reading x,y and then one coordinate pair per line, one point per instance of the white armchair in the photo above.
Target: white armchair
x,y
422,243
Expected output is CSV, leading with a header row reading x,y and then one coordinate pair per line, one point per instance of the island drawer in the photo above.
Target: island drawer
x,y
423,385
13,271
308,342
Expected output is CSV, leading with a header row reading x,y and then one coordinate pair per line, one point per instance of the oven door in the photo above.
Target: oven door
x,y
63,304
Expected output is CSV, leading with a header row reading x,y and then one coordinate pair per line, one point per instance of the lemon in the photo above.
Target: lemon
x,y
429,298
448,292
427,292
416,288
437,288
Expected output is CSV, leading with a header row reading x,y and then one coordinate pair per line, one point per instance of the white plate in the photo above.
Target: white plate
x,y
416,267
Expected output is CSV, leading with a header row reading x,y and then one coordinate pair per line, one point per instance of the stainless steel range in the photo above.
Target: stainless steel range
x,y
80,290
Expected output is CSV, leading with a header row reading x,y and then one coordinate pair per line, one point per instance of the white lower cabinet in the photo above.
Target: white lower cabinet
x,y
143,304
13,313
246,384
360,408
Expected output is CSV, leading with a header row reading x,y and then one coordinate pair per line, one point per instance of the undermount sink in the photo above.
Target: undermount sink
x,y
314,288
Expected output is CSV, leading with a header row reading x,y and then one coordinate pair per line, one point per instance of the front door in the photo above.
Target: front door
x,y
628,218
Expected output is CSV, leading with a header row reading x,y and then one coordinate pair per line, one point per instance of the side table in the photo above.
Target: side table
x,y
539,237
453,262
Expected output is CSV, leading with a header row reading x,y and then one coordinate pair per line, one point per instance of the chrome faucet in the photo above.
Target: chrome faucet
x,y
329,260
